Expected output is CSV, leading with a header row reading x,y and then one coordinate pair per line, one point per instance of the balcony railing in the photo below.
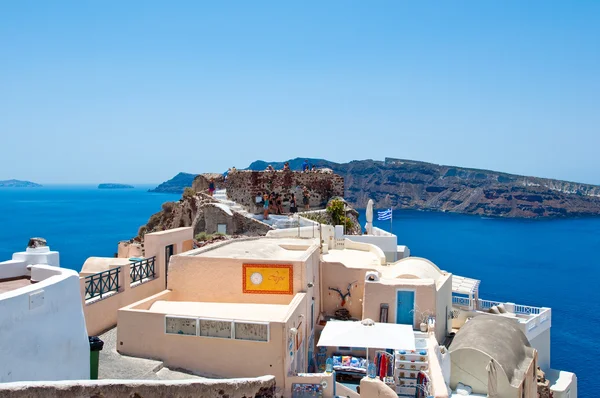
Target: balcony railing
x,y
142,269
462,301
484,305
102,283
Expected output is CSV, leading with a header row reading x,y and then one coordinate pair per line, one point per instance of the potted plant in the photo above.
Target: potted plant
x,y
423,317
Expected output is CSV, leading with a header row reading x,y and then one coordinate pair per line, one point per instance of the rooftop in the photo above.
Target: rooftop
x,y
6,285
408,268
260,249
353,258
236,311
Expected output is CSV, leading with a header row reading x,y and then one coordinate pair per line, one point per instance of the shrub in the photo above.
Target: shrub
x,y
168,207
189,192
142,230
317,217
337,212
203,237
154,220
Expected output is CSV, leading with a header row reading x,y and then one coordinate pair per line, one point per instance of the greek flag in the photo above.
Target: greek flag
x,y
384,215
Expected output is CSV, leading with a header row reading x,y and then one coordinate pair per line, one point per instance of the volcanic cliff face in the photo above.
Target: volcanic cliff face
x,y
406,184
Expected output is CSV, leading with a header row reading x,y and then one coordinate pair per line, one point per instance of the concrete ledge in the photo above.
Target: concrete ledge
x,y
263,386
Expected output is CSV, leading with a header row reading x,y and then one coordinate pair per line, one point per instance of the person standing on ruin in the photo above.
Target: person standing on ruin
x,y
266,207
211,186
279,203
305,165
293,205
306,198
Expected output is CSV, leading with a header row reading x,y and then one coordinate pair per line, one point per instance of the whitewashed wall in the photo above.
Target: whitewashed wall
x,y
42,331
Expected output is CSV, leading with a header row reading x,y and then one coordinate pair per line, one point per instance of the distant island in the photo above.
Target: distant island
x,y
176,184
18,184
114,186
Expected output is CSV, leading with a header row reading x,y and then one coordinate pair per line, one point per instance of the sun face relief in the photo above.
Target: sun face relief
x,y
256,278
267,278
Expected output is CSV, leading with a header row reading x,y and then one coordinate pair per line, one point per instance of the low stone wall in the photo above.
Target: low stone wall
x,y
260,387
244,186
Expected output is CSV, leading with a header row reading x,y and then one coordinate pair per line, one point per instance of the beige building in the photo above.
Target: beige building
x,y
264,301
239,309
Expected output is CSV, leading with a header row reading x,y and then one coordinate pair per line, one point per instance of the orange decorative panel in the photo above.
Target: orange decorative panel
x,y
268,278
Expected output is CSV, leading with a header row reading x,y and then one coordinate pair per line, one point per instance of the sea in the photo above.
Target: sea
x,y
549,263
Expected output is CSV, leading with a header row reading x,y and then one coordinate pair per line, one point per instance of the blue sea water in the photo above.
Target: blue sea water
x,y
78,221
551,263
542,263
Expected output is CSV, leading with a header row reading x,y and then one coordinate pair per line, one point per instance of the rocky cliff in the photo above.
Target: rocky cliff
x,y
176,184
407,184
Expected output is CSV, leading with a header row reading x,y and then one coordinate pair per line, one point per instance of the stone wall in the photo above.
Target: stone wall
x,y
260,387
237,224
201,181
243,186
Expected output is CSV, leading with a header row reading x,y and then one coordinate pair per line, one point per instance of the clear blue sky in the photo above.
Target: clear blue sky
x,y
136,91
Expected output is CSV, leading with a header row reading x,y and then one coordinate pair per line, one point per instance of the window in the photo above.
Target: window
x,y
383,313
222,229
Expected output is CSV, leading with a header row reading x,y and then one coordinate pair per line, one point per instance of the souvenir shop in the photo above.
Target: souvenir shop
x,y
387,351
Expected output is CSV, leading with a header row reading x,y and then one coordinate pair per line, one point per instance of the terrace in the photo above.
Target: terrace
x,y
466,304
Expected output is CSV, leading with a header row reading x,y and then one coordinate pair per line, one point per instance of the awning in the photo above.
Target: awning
x,y
377,335
463,285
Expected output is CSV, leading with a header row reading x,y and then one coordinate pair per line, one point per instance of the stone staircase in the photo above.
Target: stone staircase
x,y
221,196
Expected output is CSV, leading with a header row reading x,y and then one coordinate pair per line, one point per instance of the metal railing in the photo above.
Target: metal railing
x,y
486,304
102,283
527,310
142,269
462,301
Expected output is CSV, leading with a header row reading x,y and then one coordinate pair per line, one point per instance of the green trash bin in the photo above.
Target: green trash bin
x,y
95,347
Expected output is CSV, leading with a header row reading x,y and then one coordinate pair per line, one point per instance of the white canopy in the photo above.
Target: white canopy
x,y
463,285
377,335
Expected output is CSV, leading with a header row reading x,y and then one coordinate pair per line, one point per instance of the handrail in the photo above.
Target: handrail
x,y
101,283
462,301
142,269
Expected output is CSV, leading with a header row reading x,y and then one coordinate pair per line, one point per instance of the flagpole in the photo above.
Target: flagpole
x,y
391,218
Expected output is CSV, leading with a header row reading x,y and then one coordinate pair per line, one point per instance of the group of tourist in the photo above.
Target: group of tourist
x,y
306,167
273,202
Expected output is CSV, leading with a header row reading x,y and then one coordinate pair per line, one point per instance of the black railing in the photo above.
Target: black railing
x,y
97,285
142,269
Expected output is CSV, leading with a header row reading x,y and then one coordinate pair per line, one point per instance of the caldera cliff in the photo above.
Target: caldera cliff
x,y
408,184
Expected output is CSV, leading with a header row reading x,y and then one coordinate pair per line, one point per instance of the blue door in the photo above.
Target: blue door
x,y
405,304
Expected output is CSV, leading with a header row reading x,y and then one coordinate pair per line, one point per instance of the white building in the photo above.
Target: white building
x,y
42,327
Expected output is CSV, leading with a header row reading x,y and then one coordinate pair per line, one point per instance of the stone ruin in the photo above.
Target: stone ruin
x,y
244,186
34,243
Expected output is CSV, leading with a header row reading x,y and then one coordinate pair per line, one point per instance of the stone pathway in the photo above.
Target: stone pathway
x,y
116,366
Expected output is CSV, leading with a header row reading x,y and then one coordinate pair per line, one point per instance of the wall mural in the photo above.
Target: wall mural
x,y
180,325
212,328
251,331
268,278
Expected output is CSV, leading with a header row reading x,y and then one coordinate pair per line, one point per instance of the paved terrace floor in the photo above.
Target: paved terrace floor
x,y
116,366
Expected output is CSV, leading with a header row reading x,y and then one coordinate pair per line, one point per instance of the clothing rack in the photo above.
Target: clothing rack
x,y
384,363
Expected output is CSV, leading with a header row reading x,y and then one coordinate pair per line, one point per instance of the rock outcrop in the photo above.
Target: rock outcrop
x,y
176,184
407,184
204,214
